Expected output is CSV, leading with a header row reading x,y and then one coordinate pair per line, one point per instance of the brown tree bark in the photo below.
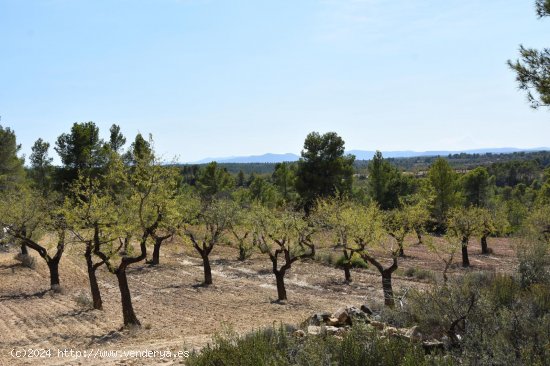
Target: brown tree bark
x,y
484,246
204,250
280,272
155,261
94,287
386,274
465,259
281,290
52,262
207,269
347,266
53,266
387,288
128,313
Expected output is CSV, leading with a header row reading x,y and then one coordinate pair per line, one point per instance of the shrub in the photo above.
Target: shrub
x,y
504,291
419,273
26,260
533,262
360,347
83,300
356,261
323,257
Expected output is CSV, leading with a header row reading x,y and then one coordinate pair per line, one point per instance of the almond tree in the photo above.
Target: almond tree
x,y
158,186
283,235
28,216
204,224
241,229
335,215
396,223
91,211
465,223
417,213
445,251
372,243
132,197
493,222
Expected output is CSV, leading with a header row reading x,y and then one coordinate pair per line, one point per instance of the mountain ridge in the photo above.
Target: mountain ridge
x,y
363,155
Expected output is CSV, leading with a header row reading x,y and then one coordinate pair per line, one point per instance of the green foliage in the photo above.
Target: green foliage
x,y
532,74
41,165
11,166
534,261
385,183
323,170
214,181
284,178
419,273
490,319
81,148
116,138
543,8
140,152
443,182
356,261
465,223
263,191
476,185
359,347
533,71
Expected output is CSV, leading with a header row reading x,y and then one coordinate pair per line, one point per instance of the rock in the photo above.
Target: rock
x,y
299,333
342,316
413,334
365,309
319,318
391,331
333,322
355,313
313,330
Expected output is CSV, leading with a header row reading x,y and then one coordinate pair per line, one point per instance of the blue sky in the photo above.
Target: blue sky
x,y
221,78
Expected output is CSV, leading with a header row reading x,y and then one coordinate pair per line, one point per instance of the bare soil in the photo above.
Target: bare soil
x,y
179,314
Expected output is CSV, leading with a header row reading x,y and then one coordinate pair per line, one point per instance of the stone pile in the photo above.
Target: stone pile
x,y
339,323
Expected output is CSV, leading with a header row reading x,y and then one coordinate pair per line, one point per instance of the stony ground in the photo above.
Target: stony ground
x,y
176,312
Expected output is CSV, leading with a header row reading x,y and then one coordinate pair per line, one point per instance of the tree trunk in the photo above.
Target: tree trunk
x,y
128,313
484,246
347,265
387,287
156,253
347,272
242,252
281,291
53,266
94,287
465,260
401,250
207,269
24,249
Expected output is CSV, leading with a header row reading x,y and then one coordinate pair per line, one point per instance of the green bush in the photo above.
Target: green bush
x,y
534,262
356,261
419,273
359,347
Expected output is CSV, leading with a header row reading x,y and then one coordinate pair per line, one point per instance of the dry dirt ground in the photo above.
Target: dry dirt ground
x,y
176,313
